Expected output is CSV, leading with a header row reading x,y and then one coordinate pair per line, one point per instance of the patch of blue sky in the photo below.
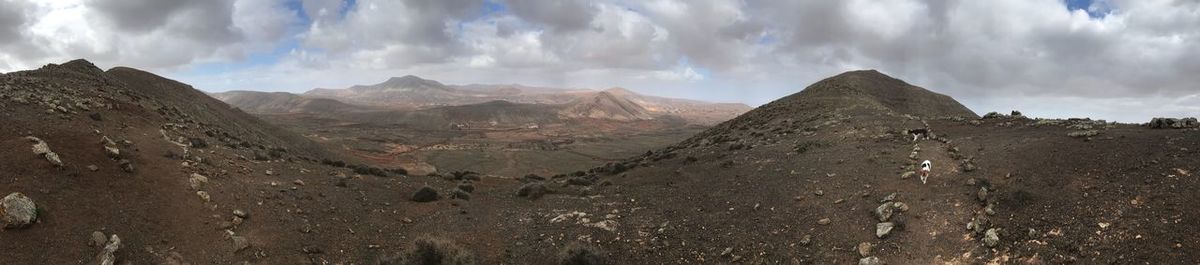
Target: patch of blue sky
x,y
1095,8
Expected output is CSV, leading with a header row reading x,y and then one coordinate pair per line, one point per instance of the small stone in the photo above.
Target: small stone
x,y
885,211
460,194
237,221
820,193
54,159
126,165
17,211
466,186
971,182
982,195
903,207
888,198
107,256
883,229
807,239
838,201
425,194
824,221
240,213
298,182
870,261
864,249
908,174
197,181
727,252
992,237
990,209
93,168
203,196
98,239
269,172
112,152
240,243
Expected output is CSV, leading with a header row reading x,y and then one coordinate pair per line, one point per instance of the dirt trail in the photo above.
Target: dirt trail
x,y
939,208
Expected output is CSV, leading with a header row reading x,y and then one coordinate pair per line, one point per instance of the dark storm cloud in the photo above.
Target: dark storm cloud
x,y
209,20
12,18
567,15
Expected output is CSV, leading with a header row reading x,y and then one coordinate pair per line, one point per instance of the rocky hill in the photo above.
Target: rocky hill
x,y
606,105
829,176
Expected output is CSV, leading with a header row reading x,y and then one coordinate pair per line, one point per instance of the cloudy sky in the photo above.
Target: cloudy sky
x,y
1123,60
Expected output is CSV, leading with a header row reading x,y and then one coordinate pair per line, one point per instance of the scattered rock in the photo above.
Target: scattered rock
x,y
982,195
532,190
1172,123
888,198
425,194
240,213
203,196
824,221
727,252
93,168
819,193
466,186
42,148
298,182
990,209
903,207
883,229
98,239
197,181
197,143
108,256
112,152
240,243
126,165
968,166
885,211
870,261
17,211
991,238
1080,134
864,249
460,194
806,240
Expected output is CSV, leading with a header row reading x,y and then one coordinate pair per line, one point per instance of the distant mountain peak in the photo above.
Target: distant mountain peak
x,y
872,89
80,65
620,91
408,82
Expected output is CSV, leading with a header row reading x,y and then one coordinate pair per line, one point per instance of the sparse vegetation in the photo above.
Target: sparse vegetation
x,y
432,251
579,253
809,145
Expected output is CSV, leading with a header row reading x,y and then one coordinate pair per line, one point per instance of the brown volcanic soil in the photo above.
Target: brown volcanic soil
x,y
749,185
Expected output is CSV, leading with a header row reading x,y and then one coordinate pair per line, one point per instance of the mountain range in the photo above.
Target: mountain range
x,y
411,93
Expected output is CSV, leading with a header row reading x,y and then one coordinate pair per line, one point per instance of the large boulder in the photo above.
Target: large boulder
x,y
1173,123
425,194
17,211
